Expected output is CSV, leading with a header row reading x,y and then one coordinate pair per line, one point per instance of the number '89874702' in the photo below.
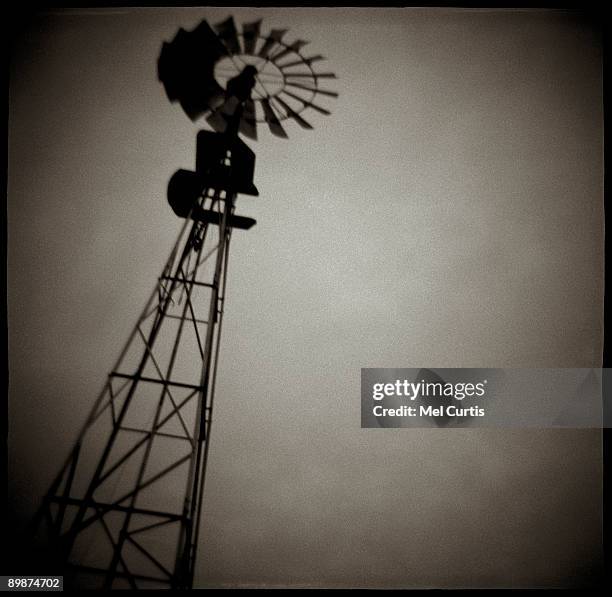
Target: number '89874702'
x,y
32,583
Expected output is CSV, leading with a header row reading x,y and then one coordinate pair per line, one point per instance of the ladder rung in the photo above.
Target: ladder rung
x,y
187,318
160,433
163,382
117,507
118,573
183,281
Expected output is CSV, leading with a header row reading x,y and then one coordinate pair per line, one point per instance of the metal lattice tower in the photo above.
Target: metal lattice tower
x,y
125,509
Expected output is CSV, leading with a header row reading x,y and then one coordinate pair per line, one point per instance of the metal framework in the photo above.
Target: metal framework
x,y
156,412
134,521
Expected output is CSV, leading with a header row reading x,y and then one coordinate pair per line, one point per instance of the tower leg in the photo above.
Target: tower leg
x,y
134,522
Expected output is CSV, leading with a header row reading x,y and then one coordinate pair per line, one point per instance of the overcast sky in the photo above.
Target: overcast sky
x,y
449,213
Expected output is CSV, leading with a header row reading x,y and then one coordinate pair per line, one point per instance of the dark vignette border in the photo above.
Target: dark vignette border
x,y
18,20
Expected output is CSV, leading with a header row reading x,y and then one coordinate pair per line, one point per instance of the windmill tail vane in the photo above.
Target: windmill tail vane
x,y
125,508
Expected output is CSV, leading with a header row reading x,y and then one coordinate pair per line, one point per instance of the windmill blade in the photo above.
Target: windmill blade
x,y
307,61
229,35
217,121
312,75
272,120
250,33
306,103
219,118
248,123
273,39
229,106
185,67
294,47
204,39
165,62
321,91
197,105
291,113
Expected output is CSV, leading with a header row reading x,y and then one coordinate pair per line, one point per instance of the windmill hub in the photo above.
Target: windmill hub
x,y
269,80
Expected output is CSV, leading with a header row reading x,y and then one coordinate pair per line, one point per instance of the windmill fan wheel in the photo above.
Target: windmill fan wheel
x,y
198,68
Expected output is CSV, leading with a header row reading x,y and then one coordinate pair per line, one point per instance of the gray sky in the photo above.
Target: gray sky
x,y
448,213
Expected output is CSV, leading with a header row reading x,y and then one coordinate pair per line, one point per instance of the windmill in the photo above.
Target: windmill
x,y
125,508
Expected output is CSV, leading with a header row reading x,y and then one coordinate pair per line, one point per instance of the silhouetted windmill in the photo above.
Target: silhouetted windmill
x,y
125,508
